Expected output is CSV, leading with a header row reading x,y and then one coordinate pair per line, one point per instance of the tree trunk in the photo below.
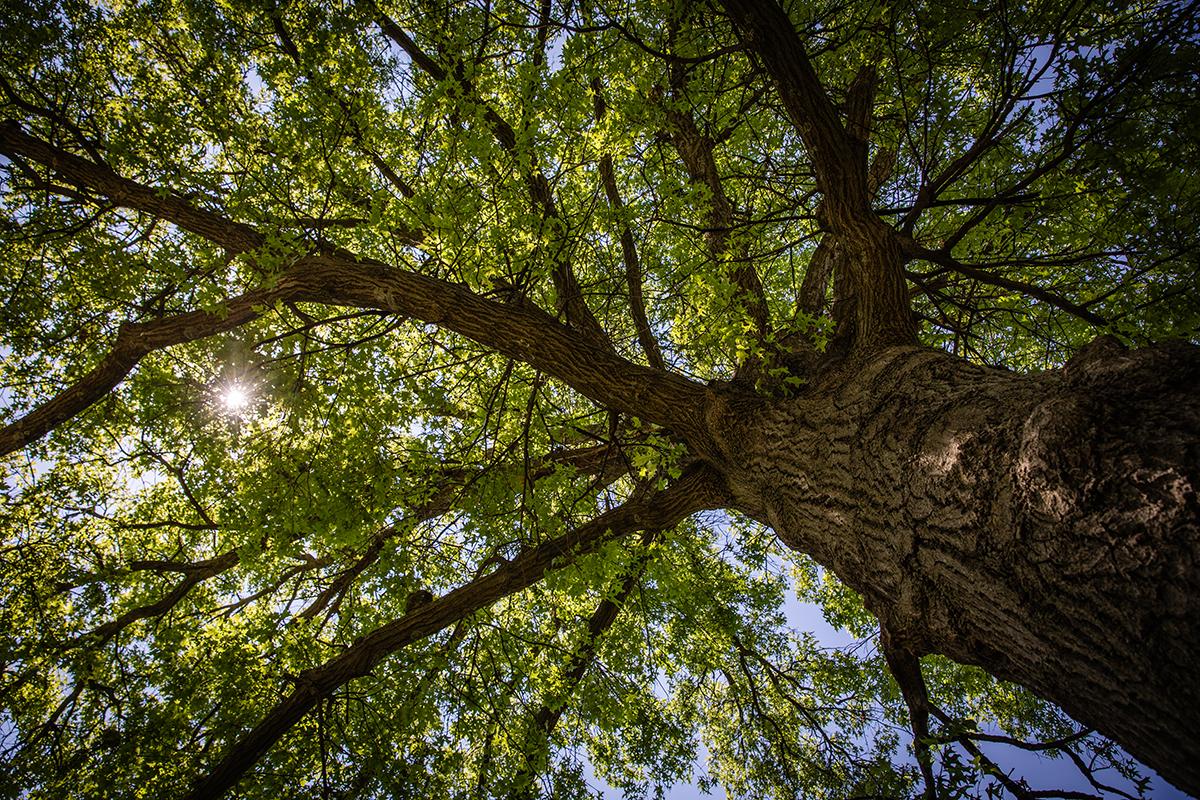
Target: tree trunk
x,y
1042,527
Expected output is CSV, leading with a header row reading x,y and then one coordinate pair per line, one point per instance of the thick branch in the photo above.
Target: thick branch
x,y
906,669
767,31
876,283
695,491
338,277
522,332
234,236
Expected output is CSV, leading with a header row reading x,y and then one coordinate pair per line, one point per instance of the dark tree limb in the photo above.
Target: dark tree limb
x,y
338,277
594,460
133,342
906,669
236,237
698,489
196,573
876,284
944,259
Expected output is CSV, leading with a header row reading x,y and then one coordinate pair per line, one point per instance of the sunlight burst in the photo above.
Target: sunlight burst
x,y
235,398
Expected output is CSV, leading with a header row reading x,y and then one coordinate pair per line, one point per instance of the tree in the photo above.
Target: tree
x,y
369,373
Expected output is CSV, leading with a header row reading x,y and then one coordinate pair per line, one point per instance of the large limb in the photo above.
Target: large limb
x,y
876,275
338,277
696,490
603,462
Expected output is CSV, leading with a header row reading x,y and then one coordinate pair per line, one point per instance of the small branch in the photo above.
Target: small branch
x,y
633,266
943,258
546,717
195,574
562,273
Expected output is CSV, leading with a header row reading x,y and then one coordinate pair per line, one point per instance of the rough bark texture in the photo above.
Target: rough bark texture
x,y
1042,527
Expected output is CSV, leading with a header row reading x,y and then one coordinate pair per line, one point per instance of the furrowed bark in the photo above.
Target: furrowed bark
x,y
1043,527
697,490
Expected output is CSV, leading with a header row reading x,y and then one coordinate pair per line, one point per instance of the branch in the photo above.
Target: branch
x,y
881,311
235,237
338,277
133,342
943,258
633,266
599,460
905,667
695,491
546,717
766,30
195,574
696,151
566,285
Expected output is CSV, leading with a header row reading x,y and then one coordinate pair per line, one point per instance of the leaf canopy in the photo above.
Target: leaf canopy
x,y
176,563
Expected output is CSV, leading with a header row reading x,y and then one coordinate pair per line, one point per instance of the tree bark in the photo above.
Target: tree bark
x,y
1043,527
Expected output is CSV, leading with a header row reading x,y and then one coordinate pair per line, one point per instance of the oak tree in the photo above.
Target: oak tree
x,y
425,398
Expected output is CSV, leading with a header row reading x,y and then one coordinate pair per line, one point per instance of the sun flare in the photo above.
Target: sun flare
x,y
235,398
